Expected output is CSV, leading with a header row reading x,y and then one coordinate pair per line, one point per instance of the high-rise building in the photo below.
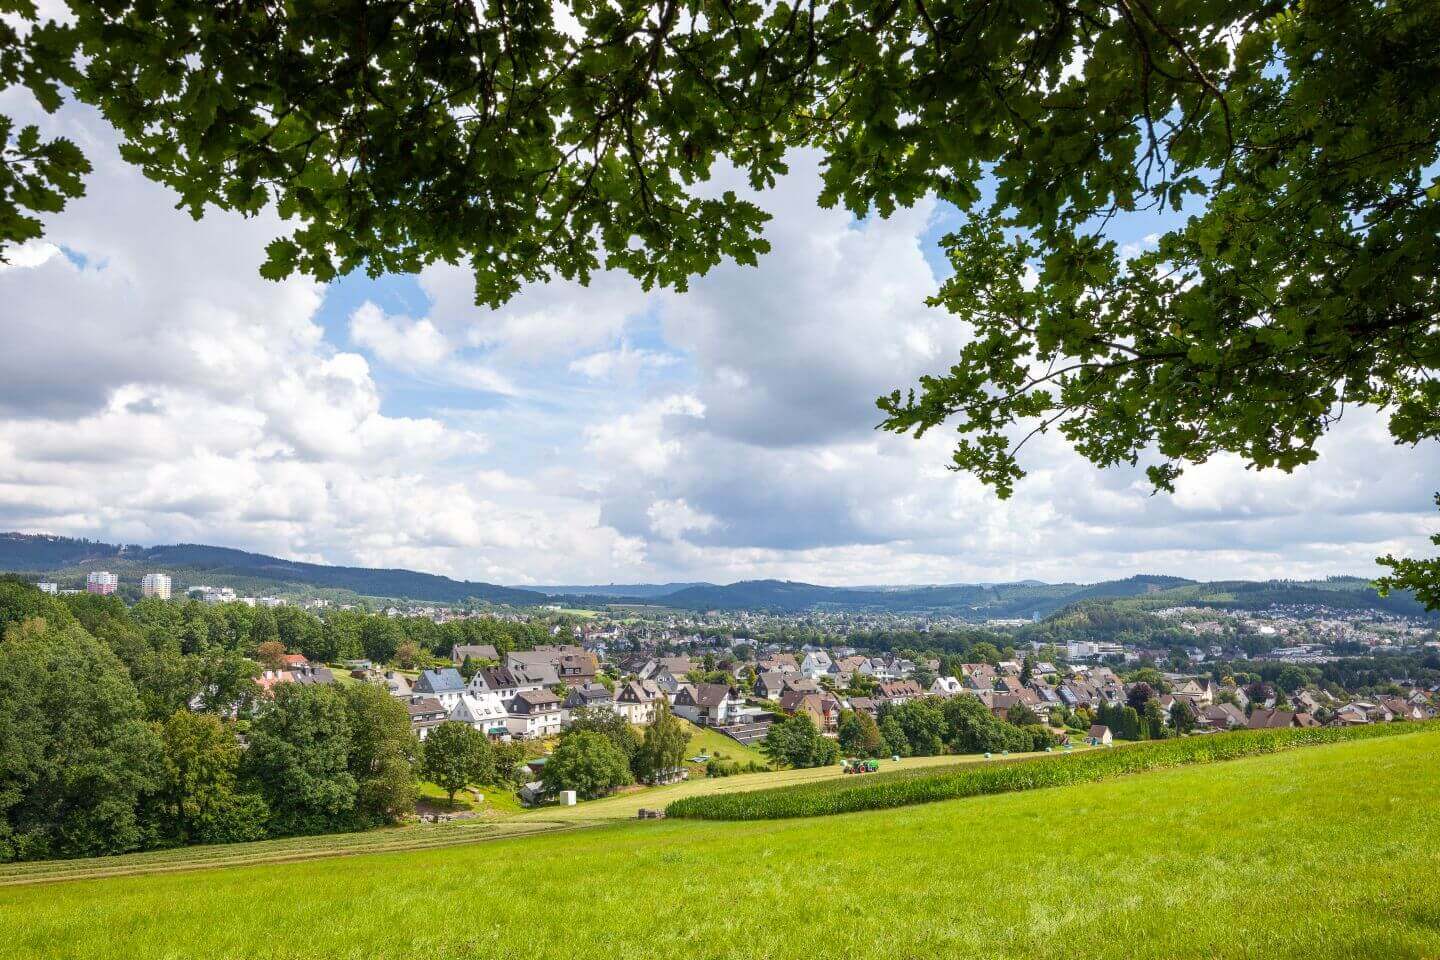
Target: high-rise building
x,y
155,585
48,586
102,582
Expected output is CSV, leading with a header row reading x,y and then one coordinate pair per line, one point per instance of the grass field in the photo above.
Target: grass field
x,y
706,741
1329,851
505,818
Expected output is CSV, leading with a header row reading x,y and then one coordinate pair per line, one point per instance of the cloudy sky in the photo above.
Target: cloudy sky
x,y
154,389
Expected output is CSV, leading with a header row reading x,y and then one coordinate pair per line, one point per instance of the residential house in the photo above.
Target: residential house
x,y
865,705
779,663
1222,716
425,715
574,666
705,704
535,714
591,696
475,652
1262,718
445,685
946,687
898,691
1099,735
507,682
485,712
1402,709
769,686
822,708
817,663
637,701
676,667
800,684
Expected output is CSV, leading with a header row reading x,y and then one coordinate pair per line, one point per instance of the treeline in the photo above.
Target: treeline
x,y
133,728
924,727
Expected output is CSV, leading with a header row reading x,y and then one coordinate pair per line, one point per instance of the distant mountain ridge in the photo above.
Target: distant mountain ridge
x,y
626,591
67,559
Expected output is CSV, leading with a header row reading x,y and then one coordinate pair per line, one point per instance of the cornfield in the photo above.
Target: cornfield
x,y
884,791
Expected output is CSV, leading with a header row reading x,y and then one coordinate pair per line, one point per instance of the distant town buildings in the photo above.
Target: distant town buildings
x,y
102,582
49,587
155,585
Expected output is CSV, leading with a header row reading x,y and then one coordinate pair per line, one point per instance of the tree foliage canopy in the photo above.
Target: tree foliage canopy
x,y
531,140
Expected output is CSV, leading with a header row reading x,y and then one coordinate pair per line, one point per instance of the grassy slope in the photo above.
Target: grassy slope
x,y
1324,852
706,741
509,820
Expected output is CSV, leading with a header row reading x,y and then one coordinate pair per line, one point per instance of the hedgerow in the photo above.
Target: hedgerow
x,y
903,788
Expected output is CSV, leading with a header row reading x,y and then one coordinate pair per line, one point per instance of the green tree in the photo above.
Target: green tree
x,y
456,755
610,725
587,762
859,735
797,742
923,724
271,654
1021,715
383,753
380,637
510,758
264,634
893,734
662,749
200,788
299,759
76,755
1153,720
1182,716
985,653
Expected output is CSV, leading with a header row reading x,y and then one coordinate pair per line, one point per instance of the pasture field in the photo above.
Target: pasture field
x,y
1328,851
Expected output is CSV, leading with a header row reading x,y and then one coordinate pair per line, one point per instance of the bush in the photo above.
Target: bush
x,y
903,788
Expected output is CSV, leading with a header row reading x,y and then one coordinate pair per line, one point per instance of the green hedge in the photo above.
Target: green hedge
x,y
905,787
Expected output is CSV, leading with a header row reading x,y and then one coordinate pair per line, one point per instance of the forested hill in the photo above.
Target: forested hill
x,y
67,560
192,563
1006,600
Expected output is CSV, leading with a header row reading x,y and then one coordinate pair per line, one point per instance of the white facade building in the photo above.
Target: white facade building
x,y
102,582
155,585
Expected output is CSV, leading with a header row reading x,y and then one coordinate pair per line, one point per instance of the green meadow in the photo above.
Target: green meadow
x,y
1328,851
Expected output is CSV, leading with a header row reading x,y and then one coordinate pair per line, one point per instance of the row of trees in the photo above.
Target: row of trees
x,y
927,726
192,627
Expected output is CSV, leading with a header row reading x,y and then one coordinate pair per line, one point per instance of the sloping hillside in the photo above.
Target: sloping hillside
x,y
1320,853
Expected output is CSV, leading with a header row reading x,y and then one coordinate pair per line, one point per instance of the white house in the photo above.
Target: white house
x,y
817,664
946,687
485,712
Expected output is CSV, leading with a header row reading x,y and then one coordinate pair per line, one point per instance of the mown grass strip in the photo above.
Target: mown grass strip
x,y
901,789
270,851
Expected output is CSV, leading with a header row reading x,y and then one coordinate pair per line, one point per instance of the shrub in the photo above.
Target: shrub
x,y
903,788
